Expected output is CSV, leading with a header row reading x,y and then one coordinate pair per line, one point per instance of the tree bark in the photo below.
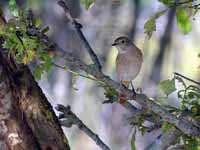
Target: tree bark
x,y
14,131
27,120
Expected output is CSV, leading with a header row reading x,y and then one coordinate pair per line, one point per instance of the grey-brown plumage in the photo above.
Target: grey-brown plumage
x,y
129,60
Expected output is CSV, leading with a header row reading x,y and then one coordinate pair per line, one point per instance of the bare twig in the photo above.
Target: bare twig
x,y
72,119
178,74
78,27
76,73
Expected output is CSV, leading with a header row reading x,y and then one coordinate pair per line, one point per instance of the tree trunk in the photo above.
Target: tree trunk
x,y
27,120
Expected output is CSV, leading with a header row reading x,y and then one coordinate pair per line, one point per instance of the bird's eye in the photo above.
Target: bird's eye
x,y
123,41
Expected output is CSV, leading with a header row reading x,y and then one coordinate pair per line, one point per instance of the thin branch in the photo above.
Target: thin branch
x,y
78,27
178,74
72,119
163,141
76,73
147,103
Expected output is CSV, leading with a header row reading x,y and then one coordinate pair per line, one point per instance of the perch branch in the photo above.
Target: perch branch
x,y
147,103
71,119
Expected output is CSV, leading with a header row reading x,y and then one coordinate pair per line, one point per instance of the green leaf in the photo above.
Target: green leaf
x,y
38,72
150,25
167,86
87,3
166,127
168,3
13,8
6,44
183,21
133,147
38,23
143,130
47,63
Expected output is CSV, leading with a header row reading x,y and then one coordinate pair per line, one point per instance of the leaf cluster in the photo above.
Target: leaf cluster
x,y
23,47
183,16
190,106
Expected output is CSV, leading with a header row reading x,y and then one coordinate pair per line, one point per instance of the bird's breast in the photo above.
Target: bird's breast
x,y
128,65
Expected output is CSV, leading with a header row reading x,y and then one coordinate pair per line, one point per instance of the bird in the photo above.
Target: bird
x,y
128,62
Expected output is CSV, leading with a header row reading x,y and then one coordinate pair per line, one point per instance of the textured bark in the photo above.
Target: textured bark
x,y
25,111
14,131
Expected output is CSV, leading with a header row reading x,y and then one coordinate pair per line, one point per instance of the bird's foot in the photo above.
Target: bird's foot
x,y
122,98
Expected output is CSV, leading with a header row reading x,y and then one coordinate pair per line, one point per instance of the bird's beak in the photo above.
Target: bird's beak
x,y
114,44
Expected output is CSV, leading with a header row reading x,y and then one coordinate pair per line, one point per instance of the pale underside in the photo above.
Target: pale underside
x,y
128,65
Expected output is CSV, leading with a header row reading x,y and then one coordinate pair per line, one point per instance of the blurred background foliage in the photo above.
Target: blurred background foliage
x,y
167,51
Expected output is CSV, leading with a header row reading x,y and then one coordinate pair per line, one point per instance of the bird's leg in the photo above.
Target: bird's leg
x,y
122,97
133,89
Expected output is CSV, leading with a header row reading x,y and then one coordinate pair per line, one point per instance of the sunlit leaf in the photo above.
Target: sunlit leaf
x,y
150,25
25,60
13,8
167,86
38,23
183,21
87,3
31,55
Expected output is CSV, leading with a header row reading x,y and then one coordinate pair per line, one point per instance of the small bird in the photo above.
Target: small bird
x,y
128,62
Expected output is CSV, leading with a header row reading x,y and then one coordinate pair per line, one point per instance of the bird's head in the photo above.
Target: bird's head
x,y
122,43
